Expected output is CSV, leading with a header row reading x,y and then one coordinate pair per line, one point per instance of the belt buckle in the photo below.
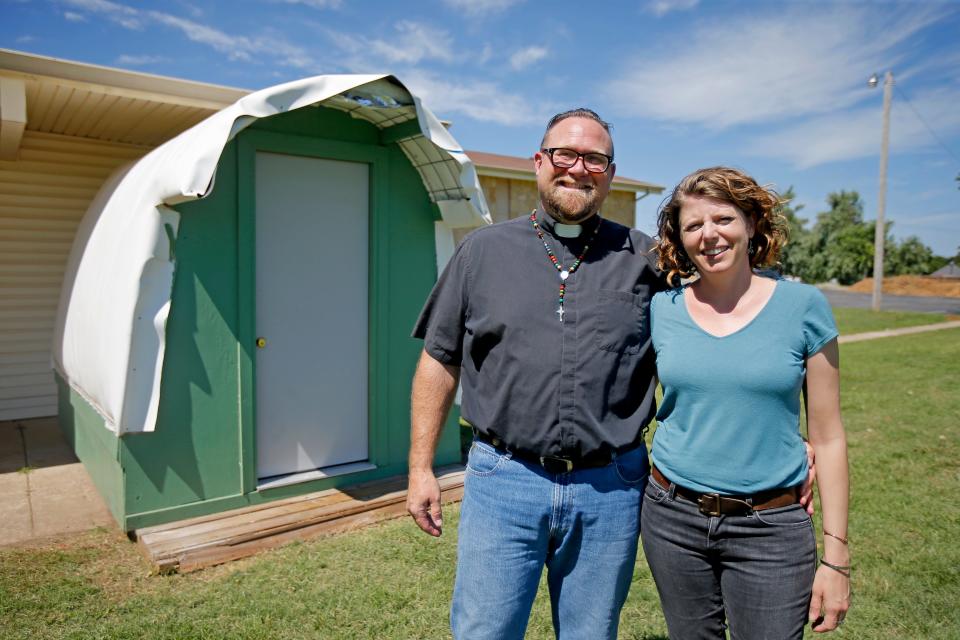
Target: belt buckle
x,y
547,462
704,505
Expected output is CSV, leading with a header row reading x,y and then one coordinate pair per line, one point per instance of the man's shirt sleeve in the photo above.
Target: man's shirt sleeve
x,y
648,250
441,324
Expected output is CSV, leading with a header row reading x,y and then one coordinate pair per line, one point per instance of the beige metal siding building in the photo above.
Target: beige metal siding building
x,y
510,187
64,128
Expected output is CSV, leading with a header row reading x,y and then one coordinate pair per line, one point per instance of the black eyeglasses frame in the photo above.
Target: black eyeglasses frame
x,y
580,156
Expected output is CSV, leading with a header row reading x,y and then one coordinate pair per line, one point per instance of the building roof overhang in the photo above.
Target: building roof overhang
x,y
52,95
101,103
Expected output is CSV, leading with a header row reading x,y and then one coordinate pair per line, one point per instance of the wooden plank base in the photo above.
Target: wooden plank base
x,y
209,540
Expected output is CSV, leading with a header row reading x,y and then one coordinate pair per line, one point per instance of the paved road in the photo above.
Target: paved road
x,y
840,298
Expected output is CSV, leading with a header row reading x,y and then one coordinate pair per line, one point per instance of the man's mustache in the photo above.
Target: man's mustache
x,y
577,185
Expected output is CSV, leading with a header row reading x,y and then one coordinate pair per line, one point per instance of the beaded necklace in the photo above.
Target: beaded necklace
x,y
564,273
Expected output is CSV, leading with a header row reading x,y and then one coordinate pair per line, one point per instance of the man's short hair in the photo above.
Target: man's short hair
x,y
579,112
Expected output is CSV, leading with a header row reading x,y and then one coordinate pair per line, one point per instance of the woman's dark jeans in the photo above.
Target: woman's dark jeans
x,y
753,573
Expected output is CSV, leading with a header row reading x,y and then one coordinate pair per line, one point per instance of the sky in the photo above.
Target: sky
x,y
778,89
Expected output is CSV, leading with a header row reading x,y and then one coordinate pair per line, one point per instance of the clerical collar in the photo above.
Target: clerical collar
x,y
561,230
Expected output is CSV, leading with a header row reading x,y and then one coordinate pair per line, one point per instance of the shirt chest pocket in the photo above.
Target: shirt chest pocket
x,y
622,325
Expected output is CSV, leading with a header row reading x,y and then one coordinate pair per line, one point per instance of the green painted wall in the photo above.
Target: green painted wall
x,y
201,457
95,445
193,454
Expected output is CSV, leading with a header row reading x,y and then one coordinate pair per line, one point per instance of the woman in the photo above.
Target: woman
x,y
722,529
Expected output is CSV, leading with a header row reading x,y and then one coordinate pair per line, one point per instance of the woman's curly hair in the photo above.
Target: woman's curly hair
x,y
759,204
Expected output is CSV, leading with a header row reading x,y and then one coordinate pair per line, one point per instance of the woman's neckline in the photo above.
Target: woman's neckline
x,y
766,303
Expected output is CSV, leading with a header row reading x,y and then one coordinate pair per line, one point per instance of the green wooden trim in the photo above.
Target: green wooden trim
x,y
184,511
374,356
246,311
237,501
249,143
378,354
94,445
400,131
312,147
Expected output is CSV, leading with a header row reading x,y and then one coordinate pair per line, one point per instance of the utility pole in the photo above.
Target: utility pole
x,y
879,236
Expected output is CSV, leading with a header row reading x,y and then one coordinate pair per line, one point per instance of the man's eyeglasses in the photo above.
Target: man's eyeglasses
x,y
566,158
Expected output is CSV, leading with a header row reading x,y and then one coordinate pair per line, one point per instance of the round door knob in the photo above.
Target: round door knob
x,y
261,343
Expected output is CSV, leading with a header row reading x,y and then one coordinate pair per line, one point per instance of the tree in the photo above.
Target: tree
x,y
840,246
938,262
793,258
911,256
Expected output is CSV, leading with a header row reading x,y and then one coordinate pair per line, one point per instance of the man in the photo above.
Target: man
x,y
545,319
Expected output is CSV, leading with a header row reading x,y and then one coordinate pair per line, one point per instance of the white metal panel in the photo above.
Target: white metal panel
x,y
311,291
42,197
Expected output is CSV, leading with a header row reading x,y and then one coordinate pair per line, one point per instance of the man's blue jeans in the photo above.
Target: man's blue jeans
x,y
753,572
517,518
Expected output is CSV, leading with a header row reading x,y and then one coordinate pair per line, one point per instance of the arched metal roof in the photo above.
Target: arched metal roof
x,y
110,334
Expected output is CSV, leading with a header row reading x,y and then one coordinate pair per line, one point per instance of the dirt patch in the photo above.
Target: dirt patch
x,y
913,286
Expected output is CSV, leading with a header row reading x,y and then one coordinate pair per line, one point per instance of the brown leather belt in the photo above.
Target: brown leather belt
x,y
714,504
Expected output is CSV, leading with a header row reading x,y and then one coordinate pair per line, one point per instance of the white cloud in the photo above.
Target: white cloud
x,y
485,54
191,8
236,47
138,61
286,53
942,65
663,7
483,101
526,57
856,133
123,15
72,16
414,43
481,7
315,4
937,230
851,134
765,68
25,39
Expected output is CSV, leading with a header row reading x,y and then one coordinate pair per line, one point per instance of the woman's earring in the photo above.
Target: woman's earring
x,y
751,249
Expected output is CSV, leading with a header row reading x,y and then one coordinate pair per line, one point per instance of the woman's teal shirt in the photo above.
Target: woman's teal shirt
x,y
730,416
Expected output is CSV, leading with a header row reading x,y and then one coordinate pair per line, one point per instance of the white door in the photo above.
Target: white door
x,y
311,311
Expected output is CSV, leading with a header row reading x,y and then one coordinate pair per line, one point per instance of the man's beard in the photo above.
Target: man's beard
x,y
570,206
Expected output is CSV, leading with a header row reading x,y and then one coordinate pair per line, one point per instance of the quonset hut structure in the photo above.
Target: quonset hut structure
x,y
234,321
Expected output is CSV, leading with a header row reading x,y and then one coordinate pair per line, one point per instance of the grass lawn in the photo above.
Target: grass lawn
x,y
852,321
901,404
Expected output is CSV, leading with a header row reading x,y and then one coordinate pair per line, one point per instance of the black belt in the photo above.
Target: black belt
x,y
551,464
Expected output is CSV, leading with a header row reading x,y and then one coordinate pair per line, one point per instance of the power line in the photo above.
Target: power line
x,y
903,95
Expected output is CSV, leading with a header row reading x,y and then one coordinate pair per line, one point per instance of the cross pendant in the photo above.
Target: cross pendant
x,y
559,312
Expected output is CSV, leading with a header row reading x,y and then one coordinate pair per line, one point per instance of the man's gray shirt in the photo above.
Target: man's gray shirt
x,y
545,387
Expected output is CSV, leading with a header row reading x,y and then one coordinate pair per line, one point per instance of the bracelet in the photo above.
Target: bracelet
x,y
833,535
842,569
